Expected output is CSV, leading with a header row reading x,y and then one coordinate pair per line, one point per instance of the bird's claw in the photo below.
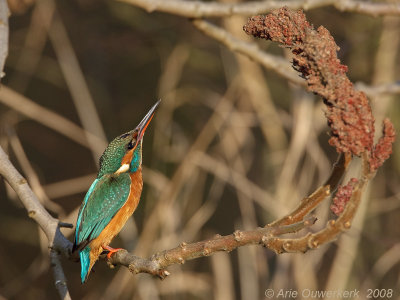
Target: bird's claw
x,y
111,250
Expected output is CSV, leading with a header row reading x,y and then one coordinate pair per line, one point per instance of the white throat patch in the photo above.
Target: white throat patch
x,y
122,169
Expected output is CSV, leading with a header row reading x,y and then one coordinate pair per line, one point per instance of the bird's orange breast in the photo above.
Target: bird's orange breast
x,y
120,218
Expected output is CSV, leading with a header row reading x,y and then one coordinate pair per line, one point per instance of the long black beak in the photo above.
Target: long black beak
x,y
141,128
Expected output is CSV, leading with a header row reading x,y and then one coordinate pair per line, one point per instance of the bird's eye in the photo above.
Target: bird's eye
x,y
124,135
130,145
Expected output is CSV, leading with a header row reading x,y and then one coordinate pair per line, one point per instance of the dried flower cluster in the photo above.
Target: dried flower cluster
x,y
343,196
383,148
348,112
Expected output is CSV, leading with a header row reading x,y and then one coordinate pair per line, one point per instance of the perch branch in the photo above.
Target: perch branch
x,y
202,9
158,262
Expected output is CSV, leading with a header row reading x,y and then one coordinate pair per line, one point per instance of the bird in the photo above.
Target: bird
x,y
112,198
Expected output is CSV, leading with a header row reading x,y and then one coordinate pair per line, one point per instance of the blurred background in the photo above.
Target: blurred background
x,y
232,146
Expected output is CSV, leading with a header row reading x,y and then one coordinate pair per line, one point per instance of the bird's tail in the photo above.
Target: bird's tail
x,y
84,255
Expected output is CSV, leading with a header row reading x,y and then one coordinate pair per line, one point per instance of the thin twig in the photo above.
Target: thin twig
x,y
47,117
77,85
35,210
312,201
202,9
31,175
59,276
4,12
378,89
251,50
50,226
277,63
34,44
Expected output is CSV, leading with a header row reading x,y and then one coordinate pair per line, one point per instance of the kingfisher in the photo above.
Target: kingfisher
x,y
113,196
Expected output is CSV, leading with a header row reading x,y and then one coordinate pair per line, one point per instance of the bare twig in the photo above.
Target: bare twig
x,y
50,226
77,85
156,264
46,117
34,44
35,210
378,89
31,175
311,202
4,12
59,276
269,61
333,228
202,9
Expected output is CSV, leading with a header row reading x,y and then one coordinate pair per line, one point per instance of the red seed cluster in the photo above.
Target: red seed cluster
x,y
315,57
383,148
282,26
342,196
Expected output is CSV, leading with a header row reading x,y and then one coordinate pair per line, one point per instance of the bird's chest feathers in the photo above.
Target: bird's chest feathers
x,y
120,218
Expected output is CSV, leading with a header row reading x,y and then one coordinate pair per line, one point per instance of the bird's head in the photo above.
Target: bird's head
x,y
124,153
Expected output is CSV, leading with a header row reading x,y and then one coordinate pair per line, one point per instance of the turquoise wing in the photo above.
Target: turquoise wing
x,y
104,199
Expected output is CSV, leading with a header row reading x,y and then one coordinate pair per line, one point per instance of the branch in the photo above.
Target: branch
x,y
202,9
385,88
4,12
334,227
157,263
44,116
59,276
50,226
36,211
251,50
311,202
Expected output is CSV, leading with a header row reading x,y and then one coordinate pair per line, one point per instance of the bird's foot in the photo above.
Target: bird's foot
x,y
111,251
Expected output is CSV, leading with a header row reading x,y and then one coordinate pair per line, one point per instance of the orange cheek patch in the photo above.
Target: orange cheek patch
x,y
127,157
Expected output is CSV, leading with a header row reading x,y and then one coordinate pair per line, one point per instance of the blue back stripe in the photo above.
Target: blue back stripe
x,y
78,222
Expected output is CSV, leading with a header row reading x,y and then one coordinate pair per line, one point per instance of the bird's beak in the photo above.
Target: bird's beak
x,y
141,128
